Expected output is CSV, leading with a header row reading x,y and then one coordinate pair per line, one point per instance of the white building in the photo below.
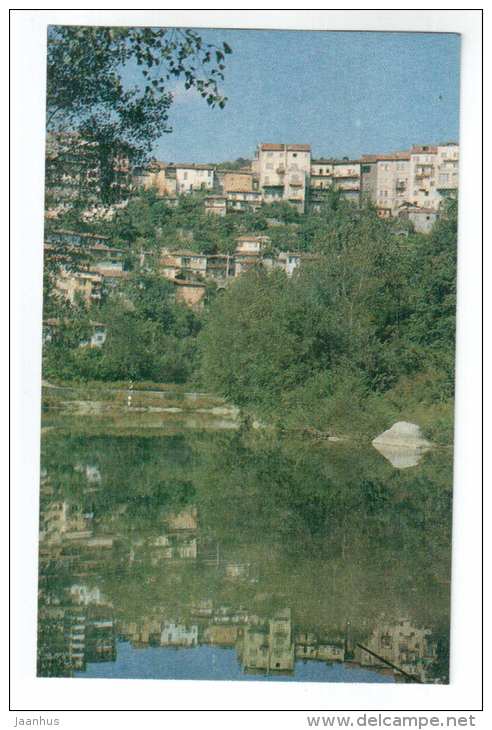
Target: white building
x,y
284,172
191,177
179,635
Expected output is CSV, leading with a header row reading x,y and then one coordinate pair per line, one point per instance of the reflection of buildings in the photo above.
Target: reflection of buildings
x,y
402,644
177,542
74,633
309,646
77,625
268,646
159,632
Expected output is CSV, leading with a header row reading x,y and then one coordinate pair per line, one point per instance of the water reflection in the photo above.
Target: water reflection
x,y
281,557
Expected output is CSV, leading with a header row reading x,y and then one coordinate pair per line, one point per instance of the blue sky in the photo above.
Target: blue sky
x,y
343,93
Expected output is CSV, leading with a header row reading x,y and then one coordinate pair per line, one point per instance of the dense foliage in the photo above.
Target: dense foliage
x,y
92,92
372,316
361,334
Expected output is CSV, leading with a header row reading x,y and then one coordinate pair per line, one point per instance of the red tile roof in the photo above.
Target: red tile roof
x,y
267,146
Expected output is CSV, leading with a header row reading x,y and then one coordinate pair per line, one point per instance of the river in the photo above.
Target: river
x,y
175,544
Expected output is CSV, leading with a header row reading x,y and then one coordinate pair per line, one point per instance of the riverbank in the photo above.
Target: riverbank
x,y
348,416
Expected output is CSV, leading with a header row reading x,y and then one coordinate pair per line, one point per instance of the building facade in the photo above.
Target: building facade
x,y
283,172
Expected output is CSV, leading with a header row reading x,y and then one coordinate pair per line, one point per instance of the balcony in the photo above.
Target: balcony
x,y
296,182
354,188
347,174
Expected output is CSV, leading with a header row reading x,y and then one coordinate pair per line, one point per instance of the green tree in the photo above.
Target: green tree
x,y
99,113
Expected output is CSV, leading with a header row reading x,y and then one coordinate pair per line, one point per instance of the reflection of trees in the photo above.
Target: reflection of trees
x,y
334,533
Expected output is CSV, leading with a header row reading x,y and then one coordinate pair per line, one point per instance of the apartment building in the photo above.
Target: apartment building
x,y
343,175
283,171
447,169
385,179
423,163
346,177
422,177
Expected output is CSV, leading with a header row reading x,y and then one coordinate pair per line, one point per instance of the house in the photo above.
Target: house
x,y
289,261
237,181
190,293
267,646
249,250
157,176
184,264
401,643
86,284
423,219
216,204
97,336
283,171
220,267
251,245
244,200
220,635
69,238
191,177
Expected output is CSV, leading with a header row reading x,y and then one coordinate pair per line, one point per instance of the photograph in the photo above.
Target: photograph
x,y
248,365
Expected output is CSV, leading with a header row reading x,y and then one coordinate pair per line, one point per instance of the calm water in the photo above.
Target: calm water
x,y
231,555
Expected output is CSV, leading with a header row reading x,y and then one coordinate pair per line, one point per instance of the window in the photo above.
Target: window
x,y
269,166
269,154
295,154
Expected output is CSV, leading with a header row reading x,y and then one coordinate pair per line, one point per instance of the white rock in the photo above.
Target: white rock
x,y
402,444
402,434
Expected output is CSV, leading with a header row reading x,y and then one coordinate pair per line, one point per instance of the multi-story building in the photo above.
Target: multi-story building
x,y
346,177
247,200
267,646
422,177
343,175
191,177
283,171
216,205
156,176
423,191
249,252
447,169
385,180
403,644
84,284
77,171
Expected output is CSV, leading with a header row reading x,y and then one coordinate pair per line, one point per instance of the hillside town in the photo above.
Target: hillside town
x,y
415,180
406,185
